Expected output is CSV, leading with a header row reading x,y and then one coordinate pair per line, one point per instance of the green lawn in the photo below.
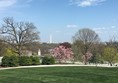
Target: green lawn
x,y
60,75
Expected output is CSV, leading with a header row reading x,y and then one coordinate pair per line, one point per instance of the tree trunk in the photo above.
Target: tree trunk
x,y
19,51
110,63
85,60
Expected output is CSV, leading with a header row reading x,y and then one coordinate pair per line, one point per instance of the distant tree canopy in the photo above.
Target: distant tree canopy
x,y
66,44
33,46
112,43
5,49
18,34
46,47
110,55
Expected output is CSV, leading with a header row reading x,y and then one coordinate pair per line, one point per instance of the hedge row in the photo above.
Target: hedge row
x,y
48,60
12,61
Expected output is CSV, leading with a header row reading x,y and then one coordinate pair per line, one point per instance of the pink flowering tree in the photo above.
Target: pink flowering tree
x,y
87,57
62,53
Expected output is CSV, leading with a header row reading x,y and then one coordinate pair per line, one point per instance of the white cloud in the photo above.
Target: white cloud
x,y
113,27
7,3
72,26
86,3
4,4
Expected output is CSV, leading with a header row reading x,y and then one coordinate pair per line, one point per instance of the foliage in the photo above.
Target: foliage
x,y
5,49
48,60
10,61
97,54
61,53
2,48
35,60
25,61
110,55
77,55
9,52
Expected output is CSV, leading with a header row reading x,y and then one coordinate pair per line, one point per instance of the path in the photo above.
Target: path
x,y
101,65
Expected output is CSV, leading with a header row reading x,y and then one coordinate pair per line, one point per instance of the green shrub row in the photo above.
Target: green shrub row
x,y
48,60
12,61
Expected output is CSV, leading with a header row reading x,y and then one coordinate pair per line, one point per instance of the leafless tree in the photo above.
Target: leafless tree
x,y
17,34
113,42
85,39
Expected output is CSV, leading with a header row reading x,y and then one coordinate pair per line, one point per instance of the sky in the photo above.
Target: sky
x,y
63,18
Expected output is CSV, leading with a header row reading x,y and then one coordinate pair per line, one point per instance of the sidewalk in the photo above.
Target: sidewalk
x,y
58,65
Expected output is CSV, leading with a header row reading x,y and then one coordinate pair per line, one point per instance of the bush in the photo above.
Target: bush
x,y
48,60
10,61
25,61
35,60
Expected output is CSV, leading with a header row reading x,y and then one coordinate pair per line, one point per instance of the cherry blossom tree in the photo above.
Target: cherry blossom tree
x,y
62,53
87,57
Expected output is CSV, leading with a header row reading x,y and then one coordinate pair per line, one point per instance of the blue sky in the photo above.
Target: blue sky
x,y
63,18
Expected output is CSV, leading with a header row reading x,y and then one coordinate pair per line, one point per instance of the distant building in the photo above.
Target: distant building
x,y
27,53
30,53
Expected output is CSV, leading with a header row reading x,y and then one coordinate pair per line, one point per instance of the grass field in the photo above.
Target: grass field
x,y
60,75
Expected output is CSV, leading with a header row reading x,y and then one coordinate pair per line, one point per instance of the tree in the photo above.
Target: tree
x,y
87,57
17,34
110,55
97,53
85,40
62,53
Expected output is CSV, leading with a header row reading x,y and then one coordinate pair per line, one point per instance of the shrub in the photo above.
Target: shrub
x,y
25,61
10,61
48,60
35,60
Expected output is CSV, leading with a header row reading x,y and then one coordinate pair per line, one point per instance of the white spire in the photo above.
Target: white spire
x,y
50,39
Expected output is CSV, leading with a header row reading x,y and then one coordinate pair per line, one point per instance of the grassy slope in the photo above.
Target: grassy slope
x,y
60,75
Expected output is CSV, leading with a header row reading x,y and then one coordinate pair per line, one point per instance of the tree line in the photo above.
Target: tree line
x,y
16,37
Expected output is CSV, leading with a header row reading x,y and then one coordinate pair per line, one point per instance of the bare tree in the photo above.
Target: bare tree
x,y
85,40
17,34
113,42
